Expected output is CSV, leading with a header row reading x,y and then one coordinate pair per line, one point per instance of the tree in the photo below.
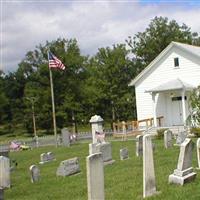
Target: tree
x,y
194,102
107,88
148,44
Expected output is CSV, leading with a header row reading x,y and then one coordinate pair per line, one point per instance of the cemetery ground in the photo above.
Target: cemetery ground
x,y
123,179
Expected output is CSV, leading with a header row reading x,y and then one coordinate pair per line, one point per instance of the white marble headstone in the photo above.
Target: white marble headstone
x,y
4,172
35,173
168,139
184,172
149,182
95,177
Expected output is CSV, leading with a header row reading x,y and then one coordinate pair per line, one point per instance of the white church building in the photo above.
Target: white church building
x,y
162,89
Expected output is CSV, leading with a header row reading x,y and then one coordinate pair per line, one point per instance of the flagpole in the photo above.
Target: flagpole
x,y
53,105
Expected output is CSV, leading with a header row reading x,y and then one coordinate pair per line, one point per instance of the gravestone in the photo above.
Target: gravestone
x,y
1,194
4,172
65,137
50,156
95,177
124,154
46,157
96,123
181,137
43,158
68,167
184,172
198,152
168,139
103,147
106,150
35,173
149,183
139,145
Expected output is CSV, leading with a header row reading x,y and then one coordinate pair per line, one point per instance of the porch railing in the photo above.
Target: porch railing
x,y
124,127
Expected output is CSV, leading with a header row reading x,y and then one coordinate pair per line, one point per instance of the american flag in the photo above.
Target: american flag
x,y
54,62
99,135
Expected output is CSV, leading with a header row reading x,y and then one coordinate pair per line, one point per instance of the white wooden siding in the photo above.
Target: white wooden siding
x,y
161,72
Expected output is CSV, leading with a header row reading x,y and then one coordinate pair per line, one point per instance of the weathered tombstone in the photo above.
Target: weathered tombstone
x,y
96,123
43,158
106,150
124,154
50,156
68,167
4,172
65,137
124,133
92,148
149,183
35,173
168,139
198,152
181,137
95,176
103,147
184,172
1,194
139,145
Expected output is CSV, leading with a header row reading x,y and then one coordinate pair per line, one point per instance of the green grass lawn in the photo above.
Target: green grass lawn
x,y
123,179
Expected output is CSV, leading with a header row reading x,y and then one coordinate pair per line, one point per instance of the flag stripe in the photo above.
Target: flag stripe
x,y
54,62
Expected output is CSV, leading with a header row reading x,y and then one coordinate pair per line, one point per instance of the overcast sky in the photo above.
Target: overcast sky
x,y
25,24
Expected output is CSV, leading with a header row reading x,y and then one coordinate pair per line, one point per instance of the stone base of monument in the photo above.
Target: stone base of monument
x,y
182,177
109,162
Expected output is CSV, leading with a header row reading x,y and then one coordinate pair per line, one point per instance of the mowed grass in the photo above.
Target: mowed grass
x,y
123,179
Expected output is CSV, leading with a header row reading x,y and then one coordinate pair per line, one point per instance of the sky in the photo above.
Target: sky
x,y
24,24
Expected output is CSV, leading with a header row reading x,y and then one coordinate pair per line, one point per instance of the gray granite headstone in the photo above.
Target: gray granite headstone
x,y
184,172
4,172
106,150
43,158
139,145
35,173
50,156
65,137
95,177
124,154
181,137
68,167
168,139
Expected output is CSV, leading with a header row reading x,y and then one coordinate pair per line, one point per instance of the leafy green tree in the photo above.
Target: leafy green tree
x,y
194,102
107,88
148,44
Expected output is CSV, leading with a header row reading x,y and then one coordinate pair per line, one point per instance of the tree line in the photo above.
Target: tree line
x,y
89,85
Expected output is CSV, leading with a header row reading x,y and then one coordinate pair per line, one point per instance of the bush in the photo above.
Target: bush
x,y
160,133
195,131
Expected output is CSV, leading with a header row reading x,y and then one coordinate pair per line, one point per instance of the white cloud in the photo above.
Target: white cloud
x,y
93,24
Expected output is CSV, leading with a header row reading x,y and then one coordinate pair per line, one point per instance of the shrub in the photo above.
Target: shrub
x,y
195,131
160,133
